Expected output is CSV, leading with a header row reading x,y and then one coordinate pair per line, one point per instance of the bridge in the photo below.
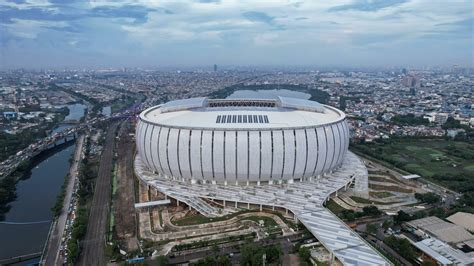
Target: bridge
x,y
21,258
70,122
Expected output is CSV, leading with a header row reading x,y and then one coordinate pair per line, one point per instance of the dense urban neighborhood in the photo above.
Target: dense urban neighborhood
x,y
413,130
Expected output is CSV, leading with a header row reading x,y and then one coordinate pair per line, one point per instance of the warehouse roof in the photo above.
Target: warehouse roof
x,y
463,219
442,230
443,253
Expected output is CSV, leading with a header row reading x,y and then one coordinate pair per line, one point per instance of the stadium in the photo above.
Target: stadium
x,y
221,156
242,141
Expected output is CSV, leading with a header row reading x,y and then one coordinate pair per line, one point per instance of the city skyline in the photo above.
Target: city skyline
x,y
42,34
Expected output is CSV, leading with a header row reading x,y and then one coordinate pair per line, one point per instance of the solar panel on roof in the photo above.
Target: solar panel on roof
x,y
227,119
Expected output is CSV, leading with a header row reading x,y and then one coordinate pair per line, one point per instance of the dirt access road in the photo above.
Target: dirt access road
x,y
124,200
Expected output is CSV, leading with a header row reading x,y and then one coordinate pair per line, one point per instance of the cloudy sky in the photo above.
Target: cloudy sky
x,y
57,33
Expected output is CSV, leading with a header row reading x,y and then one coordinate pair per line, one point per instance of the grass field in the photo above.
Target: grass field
x,y
450,162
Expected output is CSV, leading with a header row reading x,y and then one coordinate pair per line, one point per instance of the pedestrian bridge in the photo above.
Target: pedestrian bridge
x,y
151,203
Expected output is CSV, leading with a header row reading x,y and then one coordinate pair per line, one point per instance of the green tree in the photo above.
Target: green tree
x,y
372,228
305,254
386,224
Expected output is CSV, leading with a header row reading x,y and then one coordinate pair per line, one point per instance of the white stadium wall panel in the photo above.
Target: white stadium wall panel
x,y
206,156
266,155
301,152
196,170
242,156
254,156
330,148
184,152
289,146
278,155
162,143
218,157
230,164
230,149
337,145
172,152
312,152
322,155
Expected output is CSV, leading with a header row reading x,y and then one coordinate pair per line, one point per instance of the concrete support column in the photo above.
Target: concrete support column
x,y
248,205
286,211
236,204
177,203
166,197
223,204
273,207
260,207
189,207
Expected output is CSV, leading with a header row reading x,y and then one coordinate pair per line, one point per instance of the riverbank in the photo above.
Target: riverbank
x,y
8,183
36,193
52,254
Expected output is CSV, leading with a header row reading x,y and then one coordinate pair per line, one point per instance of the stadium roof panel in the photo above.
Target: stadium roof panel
x,y
301,104
184,104
282,112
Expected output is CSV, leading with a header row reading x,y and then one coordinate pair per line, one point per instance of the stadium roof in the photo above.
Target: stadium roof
x,y
281,112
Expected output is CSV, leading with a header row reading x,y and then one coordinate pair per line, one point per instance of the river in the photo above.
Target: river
x,y
76,112
36,194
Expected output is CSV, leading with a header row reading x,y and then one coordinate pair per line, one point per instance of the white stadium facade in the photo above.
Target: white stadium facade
x,y
283,153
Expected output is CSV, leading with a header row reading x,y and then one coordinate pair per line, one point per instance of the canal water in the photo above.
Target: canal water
x,y
107,110
36,194
76,112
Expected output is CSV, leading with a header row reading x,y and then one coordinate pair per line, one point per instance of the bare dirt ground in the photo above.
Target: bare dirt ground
x,y
125,222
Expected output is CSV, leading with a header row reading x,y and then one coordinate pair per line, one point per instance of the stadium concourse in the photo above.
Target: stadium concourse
x,y
292,156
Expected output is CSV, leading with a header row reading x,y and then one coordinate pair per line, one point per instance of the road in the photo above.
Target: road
x,y
52,254
286,244
94,241
388,249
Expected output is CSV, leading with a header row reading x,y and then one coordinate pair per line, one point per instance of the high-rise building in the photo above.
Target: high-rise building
x,y
215,67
